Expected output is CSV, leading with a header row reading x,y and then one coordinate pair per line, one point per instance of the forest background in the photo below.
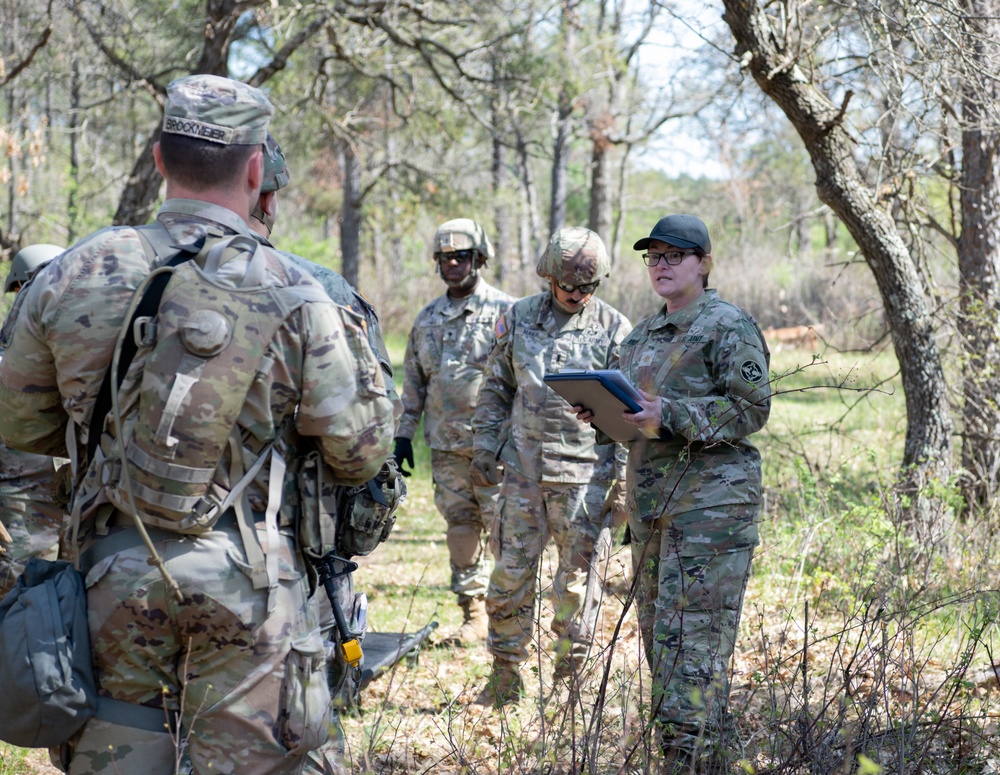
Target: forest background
x,y
845,157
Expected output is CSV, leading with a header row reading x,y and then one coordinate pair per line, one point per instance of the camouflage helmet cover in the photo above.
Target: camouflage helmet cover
x,y
276,174
28,261
462,234
575,256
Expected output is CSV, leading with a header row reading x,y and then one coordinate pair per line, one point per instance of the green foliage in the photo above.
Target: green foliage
x,y
15,761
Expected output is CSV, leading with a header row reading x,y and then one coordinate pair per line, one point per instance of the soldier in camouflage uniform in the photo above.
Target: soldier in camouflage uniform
x,y
262,221
445,357
239,659
30,513
263,217
694,496
557,480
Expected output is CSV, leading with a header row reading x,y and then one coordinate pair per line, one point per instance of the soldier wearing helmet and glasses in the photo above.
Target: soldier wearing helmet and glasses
x,y
559,485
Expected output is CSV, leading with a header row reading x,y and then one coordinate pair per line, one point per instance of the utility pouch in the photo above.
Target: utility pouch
x,y
368,512
46,670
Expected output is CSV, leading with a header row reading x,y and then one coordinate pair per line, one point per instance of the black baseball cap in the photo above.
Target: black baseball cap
x,y
681,231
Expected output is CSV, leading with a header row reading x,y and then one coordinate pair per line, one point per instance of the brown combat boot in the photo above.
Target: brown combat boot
x,y
504,685
475,624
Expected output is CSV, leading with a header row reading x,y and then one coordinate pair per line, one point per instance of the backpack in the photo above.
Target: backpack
x,y
199,354
46,675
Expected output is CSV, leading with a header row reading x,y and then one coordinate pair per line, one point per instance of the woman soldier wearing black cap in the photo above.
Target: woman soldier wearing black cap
x,y
694,494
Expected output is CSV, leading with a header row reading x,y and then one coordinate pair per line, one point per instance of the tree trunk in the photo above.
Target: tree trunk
x,y
350,215
599,219
139,197
73,197
560,162
535,242
501,211
979,261
927,455
619,219
564,125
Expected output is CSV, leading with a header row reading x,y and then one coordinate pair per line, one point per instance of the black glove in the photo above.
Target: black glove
x,y
403,452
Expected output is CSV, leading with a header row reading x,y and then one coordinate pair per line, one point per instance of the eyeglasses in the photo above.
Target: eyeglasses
x,y
458,256
672,257
584,289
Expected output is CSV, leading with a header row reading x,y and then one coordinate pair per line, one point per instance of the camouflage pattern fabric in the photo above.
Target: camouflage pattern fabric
x,y
532,429
689,611
250,689
556,476
468,511
343,293
694,501
216,109
330,759
29,511
710,364
575,256
443,368
529,515
249,686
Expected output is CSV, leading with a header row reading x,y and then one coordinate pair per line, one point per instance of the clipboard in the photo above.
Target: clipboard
x,y
607,393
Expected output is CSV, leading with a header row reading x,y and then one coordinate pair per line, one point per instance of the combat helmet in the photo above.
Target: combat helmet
x,y
575,256
275,167
28,261
462,234
275,177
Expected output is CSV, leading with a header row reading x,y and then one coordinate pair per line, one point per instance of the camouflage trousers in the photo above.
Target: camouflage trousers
x,y
34,527
688,598
245,673
468,512
529,514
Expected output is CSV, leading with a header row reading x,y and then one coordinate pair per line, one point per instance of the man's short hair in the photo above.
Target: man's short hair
x,y
200,165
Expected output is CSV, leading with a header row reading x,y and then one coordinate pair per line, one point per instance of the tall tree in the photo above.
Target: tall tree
x,y
563,119
769,47
979,250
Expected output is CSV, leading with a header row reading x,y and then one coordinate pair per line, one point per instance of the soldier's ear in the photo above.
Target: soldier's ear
x,y
255,170
267,203
158,158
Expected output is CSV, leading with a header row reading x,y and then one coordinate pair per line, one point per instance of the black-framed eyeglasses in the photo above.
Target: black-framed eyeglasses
x,y
672,257
584,289
458,256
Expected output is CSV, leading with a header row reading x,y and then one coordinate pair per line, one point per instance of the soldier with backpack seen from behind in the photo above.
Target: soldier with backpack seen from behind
x,y
31,515
217,378
445,357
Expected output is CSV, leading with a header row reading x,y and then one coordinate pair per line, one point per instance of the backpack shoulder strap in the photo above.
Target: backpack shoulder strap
x,y
161,251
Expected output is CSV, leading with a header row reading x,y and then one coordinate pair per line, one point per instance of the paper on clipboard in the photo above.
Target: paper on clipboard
x,y
607,393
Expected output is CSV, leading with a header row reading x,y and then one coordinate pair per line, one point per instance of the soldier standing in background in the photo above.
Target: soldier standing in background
x,y
262,220
263,217
443,369
31,514
557,481
238,659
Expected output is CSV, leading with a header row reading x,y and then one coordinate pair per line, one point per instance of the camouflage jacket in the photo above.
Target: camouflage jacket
x,y
443,369
323,381
346,295
529,426
709,363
